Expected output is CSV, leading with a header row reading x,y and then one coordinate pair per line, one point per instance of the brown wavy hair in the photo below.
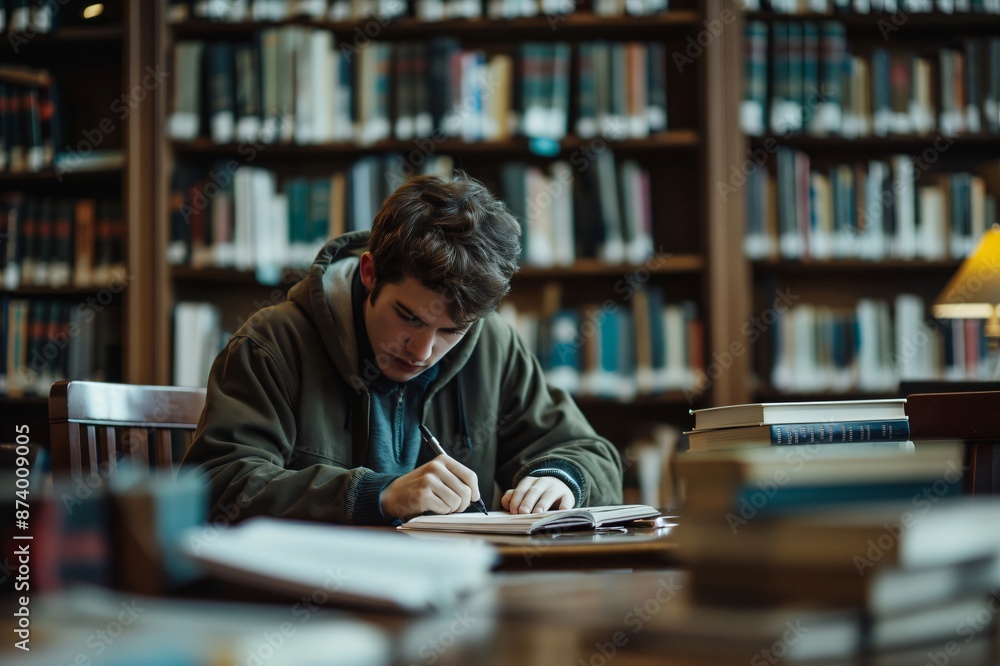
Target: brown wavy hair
x,y
454,237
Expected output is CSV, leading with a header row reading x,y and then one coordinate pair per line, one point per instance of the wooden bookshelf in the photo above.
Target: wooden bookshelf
x,y
95,65
940,157
691,223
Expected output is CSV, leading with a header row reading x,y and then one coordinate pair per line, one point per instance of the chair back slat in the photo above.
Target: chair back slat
x,y
136,443
164,454
95,424
92,451
109,449
74,450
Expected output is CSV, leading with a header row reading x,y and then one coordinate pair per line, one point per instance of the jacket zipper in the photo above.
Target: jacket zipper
x,y
400,430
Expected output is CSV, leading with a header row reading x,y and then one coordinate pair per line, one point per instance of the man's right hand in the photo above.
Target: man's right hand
x,y
442,485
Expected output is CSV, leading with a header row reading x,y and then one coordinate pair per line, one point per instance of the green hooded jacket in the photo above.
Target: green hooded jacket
x,y
285,427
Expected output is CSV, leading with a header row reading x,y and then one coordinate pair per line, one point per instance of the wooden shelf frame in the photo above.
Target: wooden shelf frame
x,y
901,24
572,26
856,266
91,35
203,147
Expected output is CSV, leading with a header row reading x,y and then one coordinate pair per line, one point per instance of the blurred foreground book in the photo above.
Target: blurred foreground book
x,y
840,554
352,565
90,625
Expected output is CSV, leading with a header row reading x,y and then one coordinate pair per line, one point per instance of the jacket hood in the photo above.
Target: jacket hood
x,y
325,296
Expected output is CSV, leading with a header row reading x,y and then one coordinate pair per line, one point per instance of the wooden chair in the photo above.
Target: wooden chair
x,y
97,425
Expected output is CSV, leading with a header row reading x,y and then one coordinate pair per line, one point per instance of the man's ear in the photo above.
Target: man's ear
x,y
368,271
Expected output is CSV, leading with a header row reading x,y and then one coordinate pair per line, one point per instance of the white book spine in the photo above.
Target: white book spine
x,y
905,242
613,250
868,352
676,339
911,357
932,242
562,195
242,204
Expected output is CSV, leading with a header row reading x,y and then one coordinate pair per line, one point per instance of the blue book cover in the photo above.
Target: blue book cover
x,y
844,432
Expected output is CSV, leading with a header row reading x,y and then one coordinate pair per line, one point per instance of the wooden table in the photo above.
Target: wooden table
x,y
627,548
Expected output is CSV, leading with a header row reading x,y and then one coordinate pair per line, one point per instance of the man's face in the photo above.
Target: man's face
x,y
409,326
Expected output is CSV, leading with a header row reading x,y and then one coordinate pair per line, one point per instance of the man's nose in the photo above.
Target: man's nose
x,y
421,345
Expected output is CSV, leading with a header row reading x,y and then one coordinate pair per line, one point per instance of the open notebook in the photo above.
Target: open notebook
x,y
501,522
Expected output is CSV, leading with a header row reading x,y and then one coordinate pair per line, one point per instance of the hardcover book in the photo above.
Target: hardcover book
x,y
798,412
791,434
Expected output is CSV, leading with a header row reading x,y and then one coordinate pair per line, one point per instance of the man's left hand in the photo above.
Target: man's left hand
x,y
535,494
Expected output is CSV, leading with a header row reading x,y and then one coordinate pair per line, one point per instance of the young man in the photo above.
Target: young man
x,y
314,407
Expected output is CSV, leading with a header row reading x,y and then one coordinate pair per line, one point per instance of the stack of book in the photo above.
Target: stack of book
x,y
831,553
869,423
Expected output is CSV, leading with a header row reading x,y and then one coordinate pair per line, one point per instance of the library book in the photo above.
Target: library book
x,y
769,413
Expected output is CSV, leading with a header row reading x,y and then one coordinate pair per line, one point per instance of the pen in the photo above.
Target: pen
x,y
436,445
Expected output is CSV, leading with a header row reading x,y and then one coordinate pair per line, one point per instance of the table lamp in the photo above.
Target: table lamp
x,y
974,291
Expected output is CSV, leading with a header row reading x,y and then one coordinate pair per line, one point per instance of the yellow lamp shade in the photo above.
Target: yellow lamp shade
x,y
974,291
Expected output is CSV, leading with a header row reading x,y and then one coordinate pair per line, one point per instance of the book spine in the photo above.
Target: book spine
x,y
842,432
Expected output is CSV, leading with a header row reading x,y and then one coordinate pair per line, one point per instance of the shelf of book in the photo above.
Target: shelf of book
x,y
77,285
869,162
689,247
